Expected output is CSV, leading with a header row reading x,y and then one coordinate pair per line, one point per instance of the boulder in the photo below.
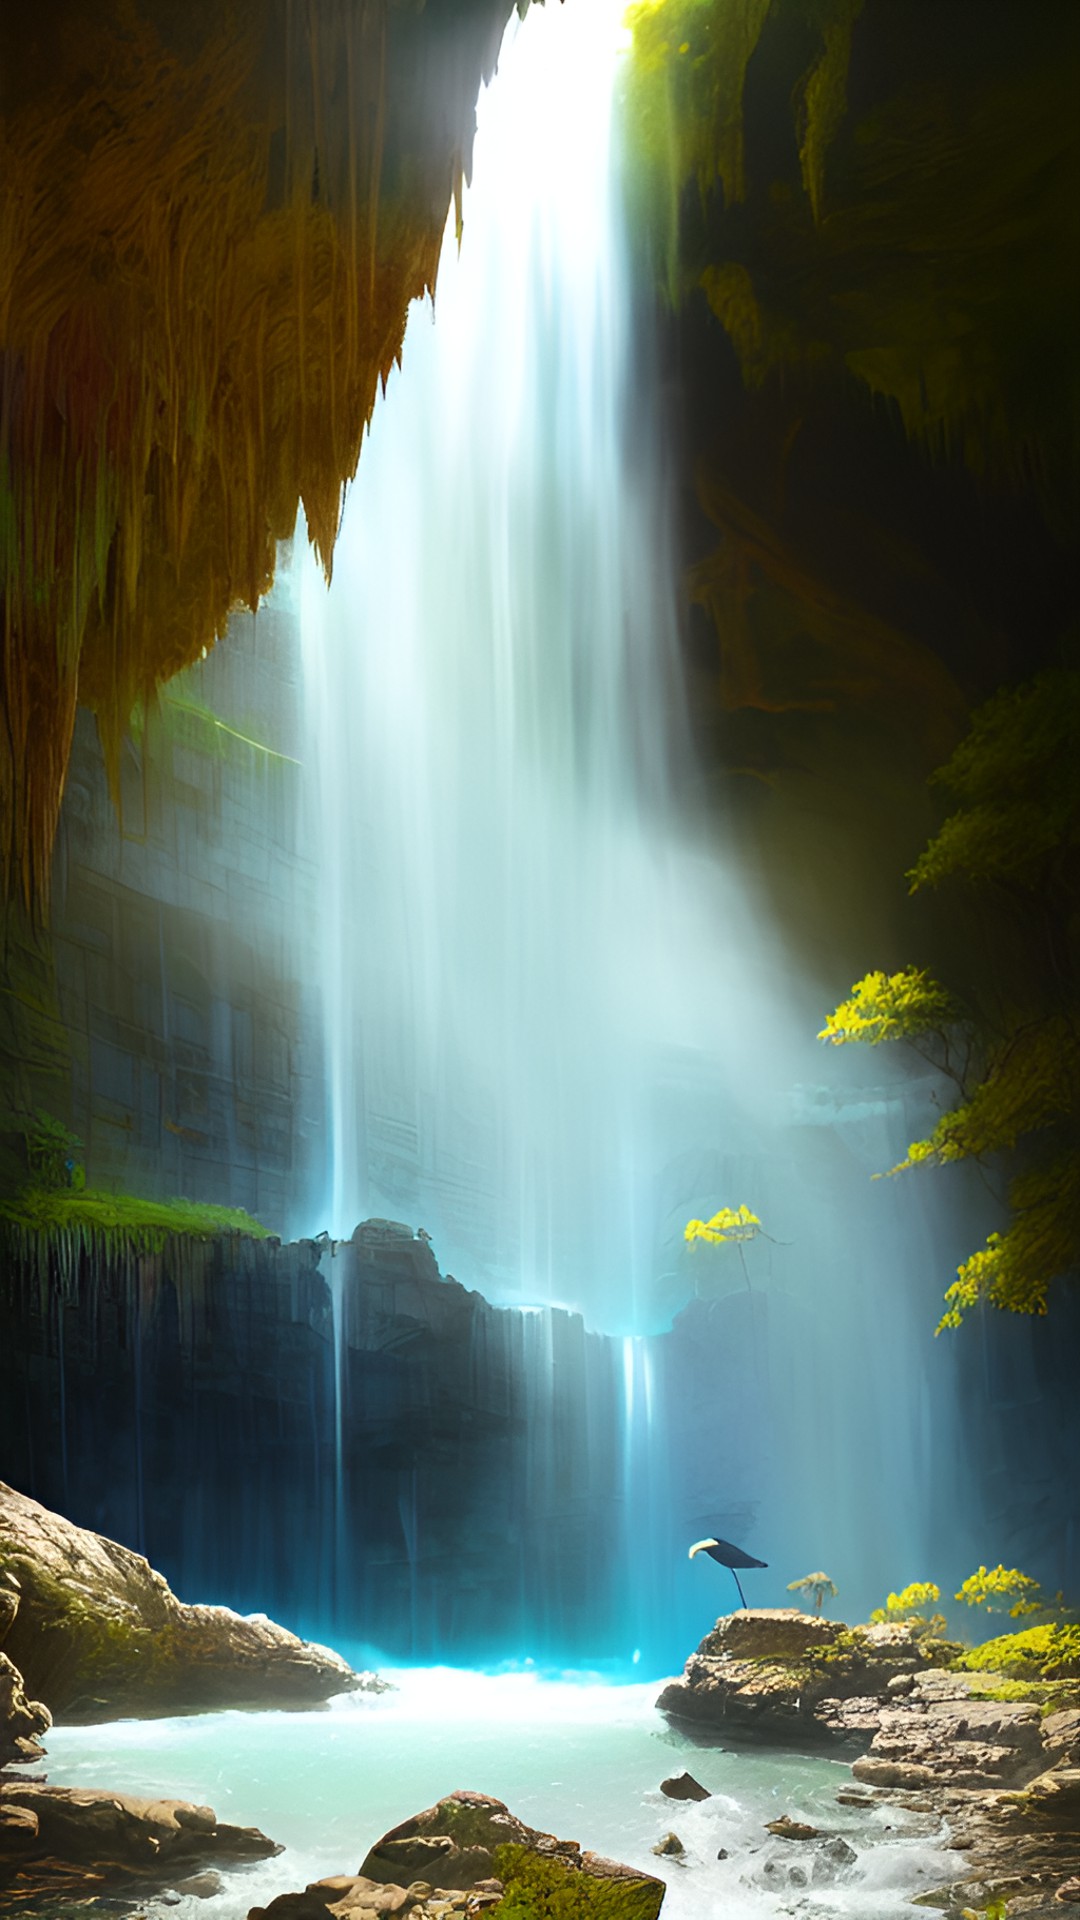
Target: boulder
x,y
22,1721
97,1633
788,1829
54,1838
683,1786
471,1849
783,1674
670,1846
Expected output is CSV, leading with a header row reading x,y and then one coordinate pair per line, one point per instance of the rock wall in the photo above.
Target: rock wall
x,y
180,937
447,1476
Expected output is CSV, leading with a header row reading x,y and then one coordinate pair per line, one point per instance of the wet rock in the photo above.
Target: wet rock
x,y
1069,1892
1061,1734
837,1852
22,1721
670,1845
683,1786
460,1838
9,1600
201,1886
52,1836
788,1829
98,1633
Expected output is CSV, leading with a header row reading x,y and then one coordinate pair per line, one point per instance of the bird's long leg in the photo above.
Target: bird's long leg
x,y
742,1595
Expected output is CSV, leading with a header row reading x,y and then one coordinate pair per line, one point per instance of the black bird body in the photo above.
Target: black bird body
x,y
726,1555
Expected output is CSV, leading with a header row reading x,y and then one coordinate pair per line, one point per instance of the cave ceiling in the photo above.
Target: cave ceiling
x,y
215,217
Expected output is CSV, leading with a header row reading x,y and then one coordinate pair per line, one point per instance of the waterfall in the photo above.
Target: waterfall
x,y
557,1022
520,949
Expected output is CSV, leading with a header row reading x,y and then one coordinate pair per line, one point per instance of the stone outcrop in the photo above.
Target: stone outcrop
x,y
127,1383
96,1632
784,1675
942,1731
1001,1773
22,1721
58,1840
459,1857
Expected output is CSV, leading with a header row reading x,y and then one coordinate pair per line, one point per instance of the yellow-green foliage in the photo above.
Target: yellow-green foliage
x,y
729,1224
539,1888
1016,1269
908,1607
1017,775
890,1006
139,1226
192,723
1001,1589
683,106
1050,1652
684,112
52,1153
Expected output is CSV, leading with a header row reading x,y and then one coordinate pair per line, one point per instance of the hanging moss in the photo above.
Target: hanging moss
x,y
43,1225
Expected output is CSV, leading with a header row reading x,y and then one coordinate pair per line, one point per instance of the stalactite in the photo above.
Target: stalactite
x,y
206,260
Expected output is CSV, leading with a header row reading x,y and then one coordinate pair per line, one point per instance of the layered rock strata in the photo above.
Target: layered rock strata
x,y
67,1840
97,1632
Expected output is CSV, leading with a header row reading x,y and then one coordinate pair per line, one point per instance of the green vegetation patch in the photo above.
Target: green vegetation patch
x,y
538,1888
1050,1652
122,1219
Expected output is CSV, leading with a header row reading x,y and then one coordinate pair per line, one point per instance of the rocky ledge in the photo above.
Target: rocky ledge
x,y
786,1676
96,1633
1001,1771
468,1856
57,1841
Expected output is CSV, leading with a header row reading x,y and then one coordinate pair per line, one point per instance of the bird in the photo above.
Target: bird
x,y
726,1555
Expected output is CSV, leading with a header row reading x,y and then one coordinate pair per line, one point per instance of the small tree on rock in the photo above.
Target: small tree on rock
x,y
817,1586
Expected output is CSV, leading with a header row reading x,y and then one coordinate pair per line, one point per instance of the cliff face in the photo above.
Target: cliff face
x,y
448,1475
182,938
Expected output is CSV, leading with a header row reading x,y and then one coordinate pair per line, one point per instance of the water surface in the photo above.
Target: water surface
x,y
574,1756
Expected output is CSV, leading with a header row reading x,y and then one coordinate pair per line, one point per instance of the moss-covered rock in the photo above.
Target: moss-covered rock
x,y
471,1843
98,1633
771,1671
544,1888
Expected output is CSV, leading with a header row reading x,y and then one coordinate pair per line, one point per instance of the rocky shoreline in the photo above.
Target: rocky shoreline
x,y
469,1855
97,1633
91,1627
1001,1772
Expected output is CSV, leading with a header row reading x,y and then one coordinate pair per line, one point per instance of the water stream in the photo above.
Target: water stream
x,y
569,1756
526,956
557,1023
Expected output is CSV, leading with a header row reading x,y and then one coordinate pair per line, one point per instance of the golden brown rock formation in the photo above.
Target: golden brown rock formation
x,y
212,222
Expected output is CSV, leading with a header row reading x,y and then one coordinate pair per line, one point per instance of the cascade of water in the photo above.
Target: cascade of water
x,y
554,1029
518,948
335,1267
